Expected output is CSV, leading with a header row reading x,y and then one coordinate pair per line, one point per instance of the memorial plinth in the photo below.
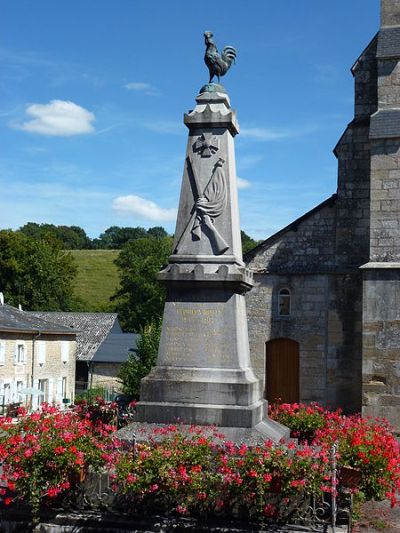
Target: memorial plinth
x,y
203,373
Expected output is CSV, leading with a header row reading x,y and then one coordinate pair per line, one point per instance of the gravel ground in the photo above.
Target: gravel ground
x,y
378,517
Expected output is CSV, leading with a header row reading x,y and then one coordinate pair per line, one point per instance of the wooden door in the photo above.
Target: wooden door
x,y
282,371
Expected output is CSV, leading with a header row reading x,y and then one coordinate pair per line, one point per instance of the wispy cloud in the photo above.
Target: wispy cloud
x,y
165,126
245,162
58,118
136,205
141,86
242,183
277,134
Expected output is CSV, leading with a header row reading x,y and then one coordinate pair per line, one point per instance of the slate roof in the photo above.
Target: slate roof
x,y
92,328
116,348
16,320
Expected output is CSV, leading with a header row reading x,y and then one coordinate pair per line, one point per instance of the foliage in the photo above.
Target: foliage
x,y
140,299
116,237
37,274
44,453
139,365
71,237
247,242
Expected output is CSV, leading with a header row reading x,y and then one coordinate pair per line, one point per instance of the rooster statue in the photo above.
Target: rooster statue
x,y
218,65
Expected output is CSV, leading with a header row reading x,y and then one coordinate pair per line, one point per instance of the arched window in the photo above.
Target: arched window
x,y
284,302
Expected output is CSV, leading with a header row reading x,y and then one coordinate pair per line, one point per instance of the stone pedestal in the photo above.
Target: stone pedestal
x,y
203,374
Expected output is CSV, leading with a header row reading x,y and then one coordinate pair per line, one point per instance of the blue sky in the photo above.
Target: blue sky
x,y
92,96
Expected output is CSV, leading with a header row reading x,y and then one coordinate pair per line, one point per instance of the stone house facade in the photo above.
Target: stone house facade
x,y
324,316
101,348
35,354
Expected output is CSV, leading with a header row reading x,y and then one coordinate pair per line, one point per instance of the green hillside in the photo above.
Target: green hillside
x,y
97,278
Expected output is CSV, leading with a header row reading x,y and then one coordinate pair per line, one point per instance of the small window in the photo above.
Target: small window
x,y
284,302
20,354
64,387
20,385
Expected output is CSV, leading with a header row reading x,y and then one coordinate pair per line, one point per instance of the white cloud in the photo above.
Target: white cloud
x,y
136,205
141,86
271,134
242,183
165,126
59,118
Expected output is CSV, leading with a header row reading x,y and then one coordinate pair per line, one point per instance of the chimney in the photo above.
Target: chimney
x,y
1,298
20,307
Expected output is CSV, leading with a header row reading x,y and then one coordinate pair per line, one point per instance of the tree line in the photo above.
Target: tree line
x,y
75,237
38,272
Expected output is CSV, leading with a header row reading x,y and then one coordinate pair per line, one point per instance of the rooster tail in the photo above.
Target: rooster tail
x,y
228,54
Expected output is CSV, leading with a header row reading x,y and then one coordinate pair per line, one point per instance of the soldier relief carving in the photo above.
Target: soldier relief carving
x,y
210,202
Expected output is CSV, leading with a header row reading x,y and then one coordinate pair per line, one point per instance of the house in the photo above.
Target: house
x,y
324,316
101,347
35,353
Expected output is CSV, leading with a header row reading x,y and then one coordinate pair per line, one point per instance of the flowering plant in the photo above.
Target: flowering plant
x,y
303,420
97,410
365,444
193,474
43,453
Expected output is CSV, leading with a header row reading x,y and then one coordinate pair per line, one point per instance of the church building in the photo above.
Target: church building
x,y
324,315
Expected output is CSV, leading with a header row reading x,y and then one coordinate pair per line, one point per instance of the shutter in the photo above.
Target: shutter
x,y
51,395
2,395
13,388
41,352
59,390
35,399
2,353
64,351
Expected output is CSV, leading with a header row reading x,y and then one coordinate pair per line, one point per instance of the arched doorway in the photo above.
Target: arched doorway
x,y
282,370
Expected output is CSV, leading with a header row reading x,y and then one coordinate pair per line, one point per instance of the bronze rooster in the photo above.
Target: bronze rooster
x,y
218,65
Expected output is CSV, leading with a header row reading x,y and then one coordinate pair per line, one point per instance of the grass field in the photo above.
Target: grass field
x,y
97,278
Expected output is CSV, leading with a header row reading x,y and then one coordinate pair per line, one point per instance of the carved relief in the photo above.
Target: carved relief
x,y
210,203
206,145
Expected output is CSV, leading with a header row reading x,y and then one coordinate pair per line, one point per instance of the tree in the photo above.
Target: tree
x,y
115,237
157,232
36,273
247,242
140,299
71,237
139,365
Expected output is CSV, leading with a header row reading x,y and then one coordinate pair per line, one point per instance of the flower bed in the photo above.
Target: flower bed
x,y
194,474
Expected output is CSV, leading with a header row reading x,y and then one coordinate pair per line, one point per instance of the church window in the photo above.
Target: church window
x,y
284,302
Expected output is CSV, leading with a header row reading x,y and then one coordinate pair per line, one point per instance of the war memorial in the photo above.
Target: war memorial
x,y
203,374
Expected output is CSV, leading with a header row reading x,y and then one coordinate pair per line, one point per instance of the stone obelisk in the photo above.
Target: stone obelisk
x,y
203,374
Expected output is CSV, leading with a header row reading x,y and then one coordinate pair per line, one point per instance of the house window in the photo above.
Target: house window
x,y
43,385
284,302
20,354
20,385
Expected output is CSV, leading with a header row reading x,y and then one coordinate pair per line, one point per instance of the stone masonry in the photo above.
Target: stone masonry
x,y
341,261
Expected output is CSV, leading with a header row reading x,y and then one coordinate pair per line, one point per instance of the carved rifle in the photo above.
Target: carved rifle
x,y
219,242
